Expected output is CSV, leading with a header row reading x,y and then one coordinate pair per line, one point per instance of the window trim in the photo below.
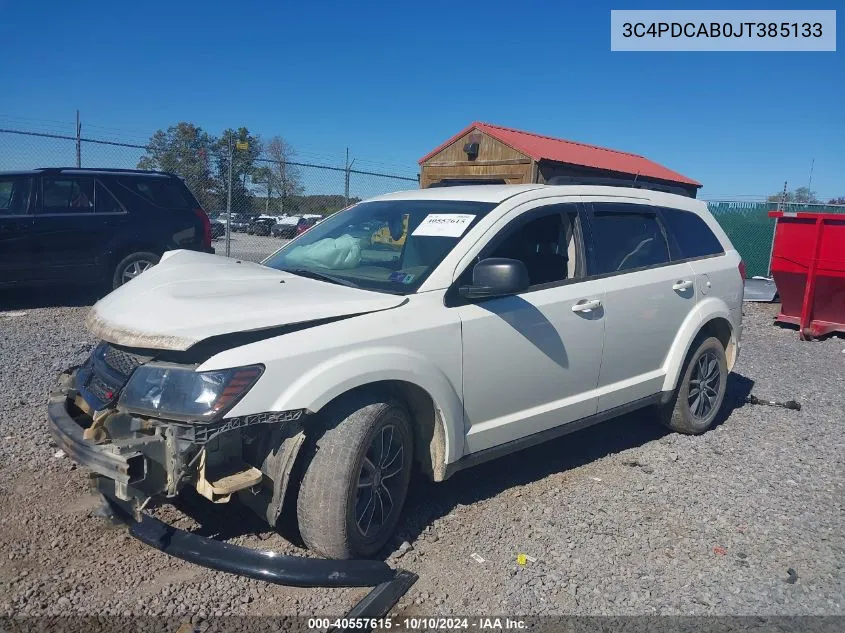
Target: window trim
x,y
453,300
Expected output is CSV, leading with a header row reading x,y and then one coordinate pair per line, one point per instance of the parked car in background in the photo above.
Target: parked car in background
x,y
285,226
94,225
261,226
241,222
306,223
218,228
514,314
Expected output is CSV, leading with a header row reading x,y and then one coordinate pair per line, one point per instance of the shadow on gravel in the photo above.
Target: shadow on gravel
x,y
49,297
221,522
429,501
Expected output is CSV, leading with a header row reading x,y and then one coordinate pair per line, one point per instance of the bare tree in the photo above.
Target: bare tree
x,y
287,177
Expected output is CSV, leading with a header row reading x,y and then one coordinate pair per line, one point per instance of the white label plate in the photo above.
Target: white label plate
x,y
444,224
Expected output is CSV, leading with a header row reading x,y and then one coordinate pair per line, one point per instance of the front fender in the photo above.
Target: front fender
x,y
707,309
321,384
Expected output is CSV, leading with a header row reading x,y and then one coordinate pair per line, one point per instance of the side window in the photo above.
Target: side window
x,y
546,242
692,235
626,237
14,195
105,202
65,194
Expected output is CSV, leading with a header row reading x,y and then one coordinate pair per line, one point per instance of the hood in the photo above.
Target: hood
x,y
189,297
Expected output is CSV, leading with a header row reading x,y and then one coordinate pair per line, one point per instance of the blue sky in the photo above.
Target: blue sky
x,y
391,80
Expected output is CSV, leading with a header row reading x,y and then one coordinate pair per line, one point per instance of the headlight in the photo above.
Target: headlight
x,y
181,393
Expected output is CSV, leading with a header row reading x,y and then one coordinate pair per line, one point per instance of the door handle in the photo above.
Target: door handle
x,y
683,284
585,305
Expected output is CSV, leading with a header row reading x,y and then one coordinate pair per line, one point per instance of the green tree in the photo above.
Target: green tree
x,y
802,195
264,178
186,150
243,166
286,178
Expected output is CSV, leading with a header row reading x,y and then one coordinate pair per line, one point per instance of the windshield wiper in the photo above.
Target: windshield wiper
x,y
313,274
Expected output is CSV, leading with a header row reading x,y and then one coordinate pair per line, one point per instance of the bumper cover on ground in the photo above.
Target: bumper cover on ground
x,y
293,571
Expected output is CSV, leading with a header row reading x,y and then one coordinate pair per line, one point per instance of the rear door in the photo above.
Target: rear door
x,y
647,298
690,239
165,213
76,218
16,226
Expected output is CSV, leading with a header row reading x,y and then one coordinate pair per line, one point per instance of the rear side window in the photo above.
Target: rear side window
x,y
14,195
626,239
692,235
67,194
167,193
105,202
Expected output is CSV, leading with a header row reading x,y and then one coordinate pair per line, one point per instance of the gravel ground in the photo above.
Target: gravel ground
x,y
621,518
252,248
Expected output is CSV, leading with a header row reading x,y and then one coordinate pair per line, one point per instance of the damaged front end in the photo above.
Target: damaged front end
x,y
147,427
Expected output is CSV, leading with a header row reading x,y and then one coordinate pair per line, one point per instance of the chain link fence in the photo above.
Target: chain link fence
x,y
267,195
254,207
751,230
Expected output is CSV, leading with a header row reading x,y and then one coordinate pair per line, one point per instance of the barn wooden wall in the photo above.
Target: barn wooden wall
x,y
495,160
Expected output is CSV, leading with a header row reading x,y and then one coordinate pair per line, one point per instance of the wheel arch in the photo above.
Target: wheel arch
x,y
434,404
711,318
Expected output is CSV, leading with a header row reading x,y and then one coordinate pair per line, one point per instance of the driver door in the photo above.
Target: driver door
x,y
531,361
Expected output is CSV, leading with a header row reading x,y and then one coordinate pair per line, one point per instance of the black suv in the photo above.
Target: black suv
x,y
93,225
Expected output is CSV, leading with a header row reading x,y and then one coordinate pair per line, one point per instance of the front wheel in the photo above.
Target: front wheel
x,y
701,389
357,479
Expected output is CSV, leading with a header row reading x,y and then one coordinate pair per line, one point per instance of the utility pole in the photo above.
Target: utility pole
x,y
229,203
810,184
781,207
348,171
78,141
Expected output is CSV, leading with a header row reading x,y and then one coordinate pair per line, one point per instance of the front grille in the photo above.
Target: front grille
x,y
122,362
105,373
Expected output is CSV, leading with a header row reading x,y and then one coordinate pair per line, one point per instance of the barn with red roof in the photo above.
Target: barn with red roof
x,y
486,153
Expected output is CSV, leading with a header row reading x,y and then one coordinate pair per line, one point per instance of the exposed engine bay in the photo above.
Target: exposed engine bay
x,y
150,458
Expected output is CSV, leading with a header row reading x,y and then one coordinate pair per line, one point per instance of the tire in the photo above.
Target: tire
x,y
131,266
337,517
687,412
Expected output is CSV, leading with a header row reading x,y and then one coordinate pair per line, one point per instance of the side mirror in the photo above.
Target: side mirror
x,y
496,277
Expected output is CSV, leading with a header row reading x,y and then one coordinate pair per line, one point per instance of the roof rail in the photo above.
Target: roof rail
x,y
106,170
619,182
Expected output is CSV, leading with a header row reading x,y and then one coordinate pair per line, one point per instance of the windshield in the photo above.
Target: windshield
x,y
388,246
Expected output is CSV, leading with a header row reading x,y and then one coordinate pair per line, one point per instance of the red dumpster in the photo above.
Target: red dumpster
x,y
808,266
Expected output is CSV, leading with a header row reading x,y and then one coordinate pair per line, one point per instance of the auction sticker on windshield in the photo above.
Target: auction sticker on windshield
x,y
444,225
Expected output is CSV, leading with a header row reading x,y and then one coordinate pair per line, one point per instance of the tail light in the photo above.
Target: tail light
x,y
206,227
742,270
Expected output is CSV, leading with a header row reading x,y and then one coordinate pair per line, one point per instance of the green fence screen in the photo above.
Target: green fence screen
x,y
751,229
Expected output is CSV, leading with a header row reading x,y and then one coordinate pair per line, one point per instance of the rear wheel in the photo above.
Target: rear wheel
x,y
357,478
701,389
131,266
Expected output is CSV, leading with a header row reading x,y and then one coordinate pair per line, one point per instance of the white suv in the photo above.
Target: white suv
x,y
496,317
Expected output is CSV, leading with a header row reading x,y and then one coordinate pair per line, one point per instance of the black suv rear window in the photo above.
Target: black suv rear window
x,y
692,235
168,193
